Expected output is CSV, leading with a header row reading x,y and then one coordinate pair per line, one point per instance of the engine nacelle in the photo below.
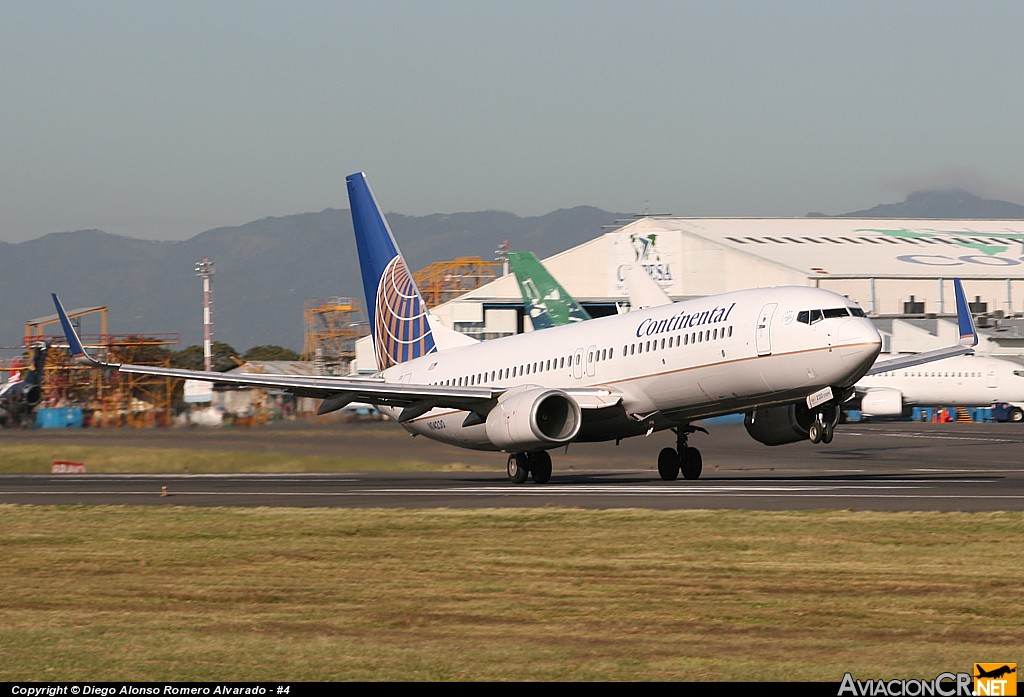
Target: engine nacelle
x,y
882,401
779,425
34,395
533,418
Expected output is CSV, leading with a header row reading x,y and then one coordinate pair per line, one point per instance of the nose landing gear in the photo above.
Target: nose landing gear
x,y
823,427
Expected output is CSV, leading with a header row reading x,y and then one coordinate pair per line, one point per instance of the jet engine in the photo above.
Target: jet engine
x,y
533,418
779,425
882,401
33,395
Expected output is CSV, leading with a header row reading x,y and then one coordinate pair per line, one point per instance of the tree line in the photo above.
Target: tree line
x,y
225,357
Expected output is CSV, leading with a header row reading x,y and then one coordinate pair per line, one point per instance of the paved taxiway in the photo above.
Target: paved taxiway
x,y
877,466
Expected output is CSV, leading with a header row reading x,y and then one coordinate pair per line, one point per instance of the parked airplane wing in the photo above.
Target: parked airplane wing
x,y
968,340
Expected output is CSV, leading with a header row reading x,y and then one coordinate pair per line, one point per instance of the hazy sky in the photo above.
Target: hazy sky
x,y
163,119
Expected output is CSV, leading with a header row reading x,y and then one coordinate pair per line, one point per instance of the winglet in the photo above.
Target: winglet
x,y
78,353
968,340
968,334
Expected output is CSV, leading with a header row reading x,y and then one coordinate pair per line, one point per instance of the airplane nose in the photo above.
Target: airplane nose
x,y
859,344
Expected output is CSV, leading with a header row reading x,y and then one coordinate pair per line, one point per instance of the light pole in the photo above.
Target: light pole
x,y
204,269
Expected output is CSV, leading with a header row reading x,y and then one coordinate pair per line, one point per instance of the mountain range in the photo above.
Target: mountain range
x,y
265,272
268,270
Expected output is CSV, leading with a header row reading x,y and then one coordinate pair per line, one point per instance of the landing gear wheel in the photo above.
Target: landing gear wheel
x,y
691,463
814,432
540,467
518,470
827,433
668,464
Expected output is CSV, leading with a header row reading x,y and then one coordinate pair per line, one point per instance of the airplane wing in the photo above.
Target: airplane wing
x,y
968,340
337,392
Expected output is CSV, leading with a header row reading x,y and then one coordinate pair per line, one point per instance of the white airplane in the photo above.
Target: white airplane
x,y
961,381
787,356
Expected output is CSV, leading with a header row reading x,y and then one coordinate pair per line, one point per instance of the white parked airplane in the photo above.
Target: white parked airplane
x,y
787,356
961,381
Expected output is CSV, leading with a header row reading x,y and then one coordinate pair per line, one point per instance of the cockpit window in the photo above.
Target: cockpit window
x,y
812,316
809,316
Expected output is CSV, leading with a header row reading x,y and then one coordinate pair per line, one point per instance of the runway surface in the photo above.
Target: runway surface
x,y
883,466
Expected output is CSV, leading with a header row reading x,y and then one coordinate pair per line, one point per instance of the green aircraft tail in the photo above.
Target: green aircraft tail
x,y
546,301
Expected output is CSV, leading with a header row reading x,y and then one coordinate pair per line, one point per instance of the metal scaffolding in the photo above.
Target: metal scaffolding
x,y
332,326
445,280
107,398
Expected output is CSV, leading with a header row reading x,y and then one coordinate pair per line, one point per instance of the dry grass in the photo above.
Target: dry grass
x,y
114,593
37,459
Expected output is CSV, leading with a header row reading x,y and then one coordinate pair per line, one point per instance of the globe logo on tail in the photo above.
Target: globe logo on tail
x,y
401,331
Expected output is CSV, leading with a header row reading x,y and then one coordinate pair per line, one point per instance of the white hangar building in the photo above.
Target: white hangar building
x,y
899,271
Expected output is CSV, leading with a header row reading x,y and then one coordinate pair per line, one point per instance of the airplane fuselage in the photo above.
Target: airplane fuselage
x,y
959,381
688,360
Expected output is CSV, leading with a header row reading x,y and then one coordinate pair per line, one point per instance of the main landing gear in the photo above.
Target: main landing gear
x,y
521,466
682,458
823,426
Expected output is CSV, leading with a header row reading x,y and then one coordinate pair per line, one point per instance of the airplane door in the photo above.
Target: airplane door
x,y
591,360
577,364
762,338
992,380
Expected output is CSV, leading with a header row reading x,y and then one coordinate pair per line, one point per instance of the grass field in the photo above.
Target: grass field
x,y
177,594
30,458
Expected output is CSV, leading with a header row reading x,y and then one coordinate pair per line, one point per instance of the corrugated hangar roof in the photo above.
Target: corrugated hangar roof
x,y
862,248
50,319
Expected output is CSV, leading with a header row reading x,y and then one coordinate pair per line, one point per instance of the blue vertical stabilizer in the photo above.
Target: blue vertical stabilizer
x,y
397,313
